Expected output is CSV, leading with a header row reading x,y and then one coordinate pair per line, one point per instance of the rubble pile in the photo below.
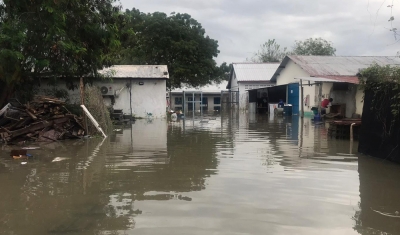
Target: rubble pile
x,y
45,119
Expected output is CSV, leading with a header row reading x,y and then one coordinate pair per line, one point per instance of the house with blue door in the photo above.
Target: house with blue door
x,y
310,79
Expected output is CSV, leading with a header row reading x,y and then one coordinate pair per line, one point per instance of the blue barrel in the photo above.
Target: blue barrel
x,y
287,110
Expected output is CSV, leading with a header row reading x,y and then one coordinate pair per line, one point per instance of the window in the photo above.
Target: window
x,y
204,101
178,100
217,100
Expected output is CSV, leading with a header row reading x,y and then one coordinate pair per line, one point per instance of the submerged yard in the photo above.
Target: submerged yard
x,y
228,174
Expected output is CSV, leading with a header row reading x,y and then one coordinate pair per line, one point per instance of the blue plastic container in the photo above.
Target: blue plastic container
x,y
317,118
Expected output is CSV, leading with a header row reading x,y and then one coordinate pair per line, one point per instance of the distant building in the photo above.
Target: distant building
x,y
248,76
211,97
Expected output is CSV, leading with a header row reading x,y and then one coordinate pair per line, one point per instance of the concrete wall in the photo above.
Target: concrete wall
x,y
288,74
146,98
234,83
359,101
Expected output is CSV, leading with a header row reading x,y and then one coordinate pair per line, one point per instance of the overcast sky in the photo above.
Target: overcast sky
x,y
355,27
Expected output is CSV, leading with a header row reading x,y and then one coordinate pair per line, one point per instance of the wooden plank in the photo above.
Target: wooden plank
x,y
3,110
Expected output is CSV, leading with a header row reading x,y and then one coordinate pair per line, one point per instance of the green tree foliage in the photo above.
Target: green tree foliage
x,y
57,38
270,52
176,40
314,46
384,82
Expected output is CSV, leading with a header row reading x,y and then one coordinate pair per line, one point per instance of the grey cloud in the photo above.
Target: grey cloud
x,y
241,26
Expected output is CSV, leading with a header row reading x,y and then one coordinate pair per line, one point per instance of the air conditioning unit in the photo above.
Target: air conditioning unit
x,y
107,90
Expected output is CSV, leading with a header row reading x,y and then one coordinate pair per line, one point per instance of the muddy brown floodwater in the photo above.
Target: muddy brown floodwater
x,y
229,174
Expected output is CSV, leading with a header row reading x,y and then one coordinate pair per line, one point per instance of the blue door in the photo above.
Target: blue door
x,y
293,97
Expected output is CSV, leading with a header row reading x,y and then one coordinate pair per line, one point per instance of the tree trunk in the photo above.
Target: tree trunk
x,y
82,90
5,93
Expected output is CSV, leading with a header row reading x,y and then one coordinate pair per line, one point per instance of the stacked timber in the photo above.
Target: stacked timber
x,y
44,119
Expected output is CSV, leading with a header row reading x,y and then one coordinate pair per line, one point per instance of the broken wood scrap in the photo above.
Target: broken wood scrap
x,y
43,119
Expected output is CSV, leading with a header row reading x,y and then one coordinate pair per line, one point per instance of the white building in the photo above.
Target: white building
x,y
136,89
248,76
211,96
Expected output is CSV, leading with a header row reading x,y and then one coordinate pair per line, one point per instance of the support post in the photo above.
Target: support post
x,y
184,103
130,98
201,104
351,132
319,98
194,104
302,98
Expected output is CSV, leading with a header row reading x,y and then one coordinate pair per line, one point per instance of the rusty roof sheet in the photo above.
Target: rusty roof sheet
x,y
342,68
254,71
136,71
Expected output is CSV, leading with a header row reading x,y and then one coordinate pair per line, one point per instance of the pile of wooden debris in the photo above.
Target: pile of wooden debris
x,y
44,119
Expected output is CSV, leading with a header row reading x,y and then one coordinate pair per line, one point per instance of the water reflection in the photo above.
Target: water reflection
x,y
234,173
379,208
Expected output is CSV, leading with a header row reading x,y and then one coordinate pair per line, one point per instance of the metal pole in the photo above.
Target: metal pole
x,y
319,98
184,103
201,104
194,104
130,97
302,98
221,102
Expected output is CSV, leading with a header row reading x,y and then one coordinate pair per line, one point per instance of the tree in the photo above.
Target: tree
x,y
60,38
314,46
177,40
270,51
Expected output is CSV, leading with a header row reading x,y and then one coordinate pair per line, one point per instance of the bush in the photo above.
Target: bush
x,y
95,104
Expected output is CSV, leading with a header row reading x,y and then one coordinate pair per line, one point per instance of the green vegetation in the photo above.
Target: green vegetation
x,y
384,82
66,40
57,38
271,51
313,46
176,40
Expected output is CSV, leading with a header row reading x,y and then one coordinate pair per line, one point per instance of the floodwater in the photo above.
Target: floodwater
x,y
229,174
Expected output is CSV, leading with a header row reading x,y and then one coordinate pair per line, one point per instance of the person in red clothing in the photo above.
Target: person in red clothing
x,y
324,104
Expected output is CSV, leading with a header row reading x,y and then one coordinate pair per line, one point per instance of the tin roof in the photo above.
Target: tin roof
x,y
341,68
254,71
136,71
209,88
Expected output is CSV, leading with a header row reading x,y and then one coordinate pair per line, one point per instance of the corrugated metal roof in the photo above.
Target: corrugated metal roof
x,y
340,65
341,68
210,88
254,71
136,71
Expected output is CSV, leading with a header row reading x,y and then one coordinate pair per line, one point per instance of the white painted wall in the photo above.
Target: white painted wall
x,y
234,82
359,101
146,98
288,74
